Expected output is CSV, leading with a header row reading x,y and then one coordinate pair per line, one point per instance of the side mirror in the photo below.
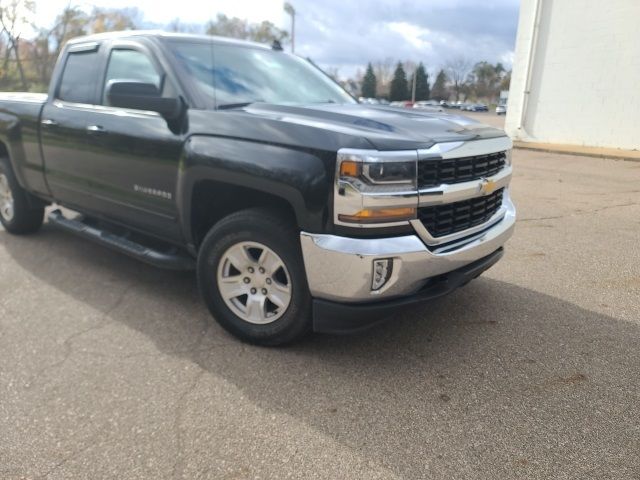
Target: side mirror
x,y
142,96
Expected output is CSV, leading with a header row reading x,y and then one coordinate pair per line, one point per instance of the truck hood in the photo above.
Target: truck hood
x,y
385,128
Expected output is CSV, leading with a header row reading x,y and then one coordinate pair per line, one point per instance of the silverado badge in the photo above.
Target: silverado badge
x,y
152,191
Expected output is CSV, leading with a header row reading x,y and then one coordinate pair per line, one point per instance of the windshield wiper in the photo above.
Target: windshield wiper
x,y
229,106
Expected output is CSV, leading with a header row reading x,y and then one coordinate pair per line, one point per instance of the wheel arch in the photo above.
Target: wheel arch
x,y
212,200
219,176
10,137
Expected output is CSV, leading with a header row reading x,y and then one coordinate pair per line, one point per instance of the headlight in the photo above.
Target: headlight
x,y
375,188
379,173
377,168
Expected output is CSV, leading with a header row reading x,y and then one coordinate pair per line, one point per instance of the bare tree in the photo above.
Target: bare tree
x,y
114,19
383,71
176,25
13,15
458,70
409,67
484,80
265,32
333,72
71,22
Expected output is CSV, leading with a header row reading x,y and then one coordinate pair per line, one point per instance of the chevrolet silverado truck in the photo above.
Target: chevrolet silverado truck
x,y
299,209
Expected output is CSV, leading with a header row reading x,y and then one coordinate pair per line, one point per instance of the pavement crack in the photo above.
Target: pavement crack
x,y
66,459
67,344
185,351
575,214
540,219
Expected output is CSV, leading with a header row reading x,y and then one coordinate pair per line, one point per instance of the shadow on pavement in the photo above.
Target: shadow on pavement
x,y
494,380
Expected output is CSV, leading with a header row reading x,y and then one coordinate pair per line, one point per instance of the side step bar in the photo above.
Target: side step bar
x,y
171,259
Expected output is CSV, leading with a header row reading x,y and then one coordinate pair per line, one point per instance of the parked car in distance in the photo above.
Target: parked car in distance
x,y
477,107
370,101
501,110
429,105
402,103
298,208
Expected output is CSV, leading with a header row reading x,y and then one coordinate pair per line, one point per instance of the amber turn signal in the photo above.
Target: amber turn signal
x,y
349,169
380,215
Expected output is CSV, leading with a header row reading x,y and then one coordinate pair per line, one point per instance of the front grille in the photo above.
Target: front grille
x,y
441,220
432,173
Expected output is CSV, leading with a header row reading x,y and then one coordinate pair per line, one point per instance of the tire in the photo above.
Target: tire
x,y
17,214
239,298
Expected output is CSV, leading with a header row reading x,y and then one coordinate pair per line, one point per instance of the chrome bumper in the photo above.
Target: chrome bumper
x,y
341,268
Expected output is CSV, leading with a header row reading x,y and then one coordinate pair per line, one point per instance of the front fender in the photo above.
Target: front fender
x,y
302,178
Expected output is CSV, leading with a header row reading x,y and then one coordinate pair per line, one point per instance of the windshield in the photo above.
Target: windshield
x,y
233,75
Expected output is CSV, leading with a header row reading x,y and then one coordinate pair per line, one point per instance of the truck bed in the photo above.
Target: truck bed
x,y
23,97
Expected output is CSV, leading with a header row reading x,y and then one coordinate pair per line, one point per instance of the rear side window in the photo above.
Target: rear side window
x,y
79,78
130,65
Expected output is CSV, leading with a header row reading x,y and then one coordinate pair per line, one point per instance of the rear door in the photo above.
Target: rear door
x,y
126,163
63,125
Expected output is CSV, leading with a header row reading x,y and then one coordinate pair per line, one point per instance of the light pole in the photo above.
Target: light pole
x,y
413,88
291,11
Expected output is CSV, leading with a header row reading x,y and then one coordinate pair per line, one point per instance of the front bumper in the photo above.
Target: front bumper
x,y
340,269
335,317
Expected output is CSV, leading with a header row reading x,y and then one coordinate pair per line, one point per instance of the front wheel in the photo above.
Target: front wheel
x,y
17,215
252,278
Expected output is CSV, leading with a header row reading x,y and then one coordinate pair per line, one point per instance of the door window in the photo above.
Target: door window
x,y
78,83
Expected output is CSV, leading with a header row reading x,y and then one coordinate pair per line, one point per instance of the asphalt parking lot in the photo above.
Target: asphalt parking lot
x,y
490,118
112,369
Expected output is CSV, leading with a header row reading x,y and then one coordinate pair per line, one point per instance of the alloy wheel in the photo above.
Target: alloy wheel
x,y
6,199
254,282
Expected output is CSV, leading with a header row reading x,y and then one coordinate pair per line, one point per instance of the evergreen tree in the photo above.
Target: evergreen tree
x,y
422,83
369,83
439,90
399,87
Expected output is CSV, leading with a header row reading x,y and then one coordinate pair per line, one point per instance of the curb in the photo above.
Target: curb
x,y
605,153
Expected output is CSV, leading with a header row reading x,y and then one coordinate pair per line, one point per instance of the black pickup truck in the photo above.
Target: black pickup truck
x,y
299,208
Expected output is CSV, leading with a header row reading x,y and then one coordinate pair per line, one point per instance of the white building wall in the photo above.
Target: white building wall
x,y
584,74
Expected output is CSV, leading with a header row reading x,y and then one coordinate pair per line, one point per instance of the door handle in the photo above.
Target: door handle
x,y
47,122
96,129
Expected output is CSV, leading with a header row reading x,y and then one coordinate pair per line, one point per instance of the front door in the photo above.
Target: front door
x,y
126,165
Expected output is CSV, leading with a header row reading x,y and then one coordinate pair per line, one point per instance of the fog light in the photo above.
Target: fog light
x,y
381,273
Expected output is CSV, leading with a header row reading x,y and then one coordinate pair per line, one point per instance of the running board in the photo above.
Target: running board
x,y
171,259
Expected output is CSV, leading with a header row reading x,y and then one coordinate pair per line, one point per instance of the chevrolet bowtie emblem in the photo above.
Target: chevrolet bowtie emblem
x,y
488,186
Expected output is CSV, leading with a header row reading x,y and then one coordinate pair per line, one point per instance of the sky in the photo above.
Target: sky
x,y
346,34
